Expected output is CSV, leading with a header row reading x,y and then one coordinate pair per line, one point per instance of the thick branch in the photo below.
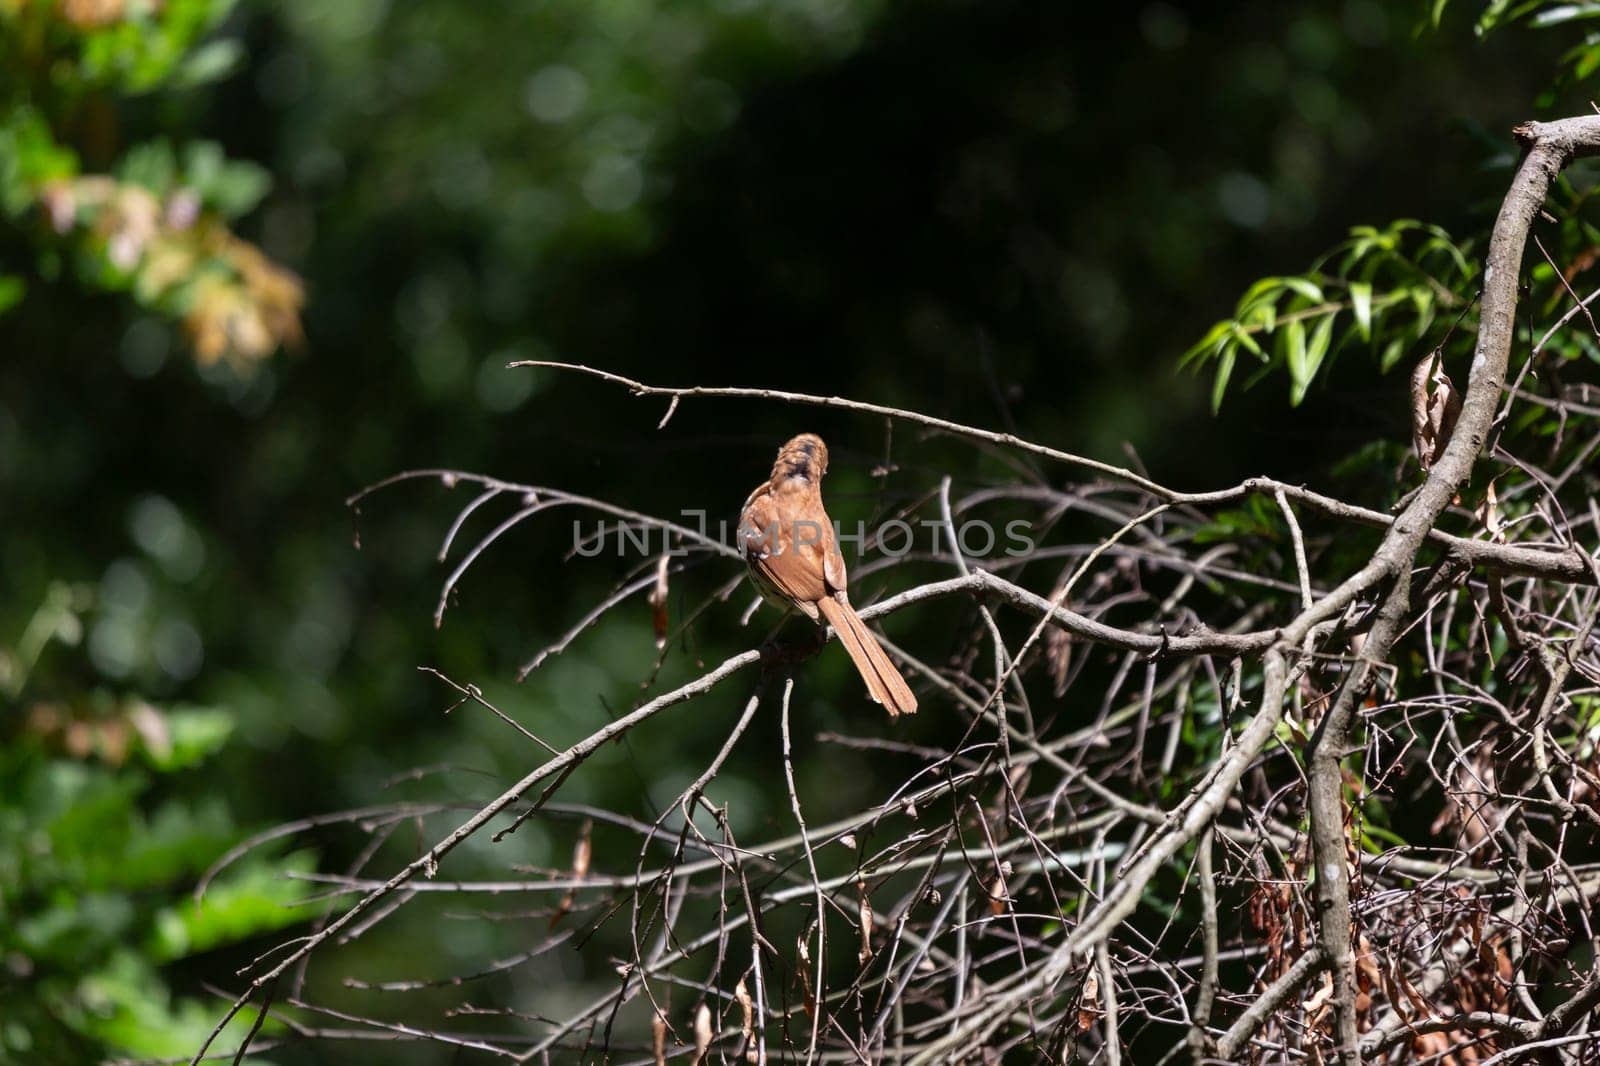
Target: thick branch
x,y
1549,148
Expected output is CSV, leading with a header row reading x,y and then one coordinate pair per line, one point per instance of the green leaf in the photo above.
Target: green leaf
x,y
1235,525
202,164
153,165
1294,355
1265,315
1555,16
1206,346
231,187
29,157
131,1010
1374,837
1391,354
1304,287
1369,459
1422,301
210,62
196,733
74,926
1361,303
1224,369
249,900
1317,347
178,840
11,291
1584,59
1263,292
1442,243
1242,336
238,189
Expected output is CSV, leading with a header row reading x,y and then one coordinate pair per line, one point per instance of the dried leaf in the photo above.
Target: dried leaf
x,y
658,602
1465,806
1368,976
658,1033
1319,1000
1413,997
864,913
1435,406
808,995
92,14
702,1032
582,852
1489,515
1503,968
152,728
1585,259
1429,1047
114,735
1089,1001
997,894
747,1011
1391,990
78,739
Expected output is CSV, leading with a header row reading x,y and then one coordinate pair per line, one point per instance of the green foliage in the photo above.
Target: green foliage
x,y
98,848
1381,289
29,156
156,225
1256,517
570,136
1537,13
1386,287
229,187
1580,61
12,289
124,46
100,839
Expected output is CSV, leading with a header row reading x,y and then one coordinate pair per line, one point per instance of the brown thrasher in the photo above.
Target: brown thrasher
x,y
787,540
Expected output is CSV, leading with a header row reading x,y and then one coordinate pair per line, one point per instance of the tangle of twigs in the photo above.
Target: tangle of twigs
x,y
1254,774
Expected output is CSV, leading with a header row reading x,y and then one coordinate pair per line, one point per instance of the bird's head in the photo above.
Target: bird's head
x,y
804,457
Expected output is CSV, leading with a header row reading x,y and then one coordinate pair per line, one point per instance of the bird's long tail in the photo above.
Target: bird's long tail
x,y
884,683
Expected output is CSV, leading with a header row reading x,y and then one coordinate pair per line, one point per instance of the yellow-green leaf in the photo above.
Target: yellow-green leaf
x,y
1361,303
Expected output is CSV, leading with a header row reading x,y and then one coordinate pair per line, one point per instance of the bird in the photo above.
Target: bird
x,y
788,544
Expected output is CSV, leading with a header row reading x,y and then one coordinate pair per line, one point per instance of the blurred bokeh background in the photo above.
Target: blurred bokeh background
x,y
1011,214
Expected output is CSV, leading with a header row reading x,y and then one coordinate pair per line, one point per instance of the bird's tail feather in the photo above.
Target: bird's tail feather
x,y
884,683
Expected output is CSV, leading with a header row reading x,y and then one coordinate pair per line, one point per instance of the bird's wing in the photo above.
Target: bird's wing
x,y
770,548
833,566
